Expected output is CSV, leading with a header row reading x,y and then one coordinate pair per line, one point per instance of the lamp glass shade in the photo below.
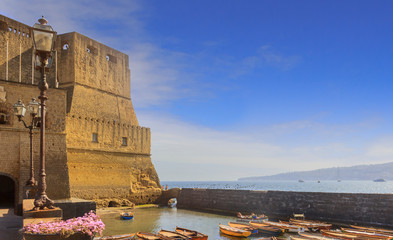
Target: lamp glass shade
x,y
48,63
43,37
33,107
19,109
39,111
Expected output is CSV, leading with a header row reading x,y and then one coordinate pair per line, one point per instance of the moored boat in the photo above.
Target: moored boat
x,y
298,238
126,215
367,234
252,216
267,229
371,229
113,237
312,225
194,235
379,180
244,226
150,236
341,235
286,227
231,231
173,235
315,236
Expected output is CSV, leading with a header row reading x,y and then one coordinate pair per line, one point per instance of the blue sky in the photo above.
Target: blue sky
x,y
236,88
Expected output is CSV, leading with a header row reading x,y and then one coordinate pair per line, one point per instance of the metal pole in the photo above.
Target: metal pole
x,y
31,181
41,201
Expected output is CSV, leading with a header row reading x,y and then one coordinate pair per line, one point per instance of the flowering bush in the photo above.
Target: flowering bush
x,y
90,224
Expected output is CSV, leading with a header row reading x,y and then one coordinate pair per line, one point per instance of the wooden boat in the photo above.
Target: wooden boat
x,y
267,229
194,235
112,237
312,225
126,215
286,227
173,235
367,234
315,236
298,238
244,226
246,218
236,232
341,235
370,229
150,236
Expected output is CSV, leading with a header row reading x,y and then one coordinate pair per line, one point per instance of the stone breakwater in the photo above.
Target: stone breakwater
x,y
340,208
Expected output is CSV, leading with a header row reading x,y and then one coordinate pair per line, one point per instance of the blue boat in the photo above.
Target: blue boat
x,y
126,216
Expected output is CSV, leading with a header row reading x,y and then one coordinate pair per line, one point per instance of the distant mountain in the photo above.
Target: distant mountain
x,y
359,172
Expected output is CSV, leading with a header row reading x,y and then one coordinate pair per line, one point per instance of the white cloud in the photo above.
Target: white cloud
x,y
239,153
156,74
68,16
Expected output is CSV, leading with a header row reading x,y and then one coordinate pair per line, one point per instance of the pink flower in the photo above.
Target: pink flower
x,y
90,223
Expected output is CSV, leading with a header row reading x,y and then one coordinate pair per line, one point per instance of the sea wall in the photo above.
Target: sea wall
x,y
345,208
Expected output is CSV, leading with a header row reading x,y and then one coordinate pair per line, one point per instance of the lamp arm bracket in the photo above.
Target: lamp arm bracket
x,y
21,120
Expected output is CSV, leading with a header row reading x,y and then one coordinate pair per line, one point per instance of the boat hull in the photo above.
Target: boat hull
x,y
235,232
266,229
112,237
193,235
173,235
149,236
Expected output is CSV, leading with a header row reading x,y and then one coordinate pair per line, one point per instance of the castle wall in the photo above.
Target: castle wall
x,y
348,208
16,54
95,97
99,103
15,142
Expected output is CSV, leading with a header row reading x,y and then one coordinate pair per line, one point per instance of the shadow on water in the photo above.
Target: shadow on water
x,y
155,219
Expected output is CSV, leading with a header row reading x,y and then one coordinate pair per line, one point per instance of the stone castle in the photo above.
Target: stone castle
x,y
95,148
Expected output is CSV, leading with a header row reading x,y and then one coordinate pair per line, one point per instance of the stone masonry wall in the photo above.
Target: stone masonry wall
x,y
15,143
362,209
94,64
16,54
97,175
99,102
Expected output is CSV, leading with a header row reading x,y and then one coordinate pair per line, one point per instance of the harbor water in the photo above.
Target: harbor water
x,y
157,218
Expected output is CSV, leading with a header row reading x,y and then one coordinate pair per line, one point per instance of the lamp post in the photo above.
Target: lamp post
x,y
43,38
34,110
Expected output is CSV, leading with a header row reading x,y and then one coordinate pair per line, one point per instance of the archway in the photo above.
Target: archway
x,y
7,192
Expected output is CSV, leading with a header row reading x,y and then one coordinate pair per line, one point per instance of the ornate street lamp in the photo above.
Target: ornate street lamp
x,y
43,38
34,109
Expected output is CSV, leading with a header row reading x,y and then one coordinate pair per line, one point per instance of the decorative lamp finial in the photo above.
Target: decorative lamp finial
x,y
43,21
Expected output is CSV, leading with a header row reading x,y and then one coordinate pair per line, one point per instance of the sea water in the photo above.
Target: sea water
x,y
306,186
